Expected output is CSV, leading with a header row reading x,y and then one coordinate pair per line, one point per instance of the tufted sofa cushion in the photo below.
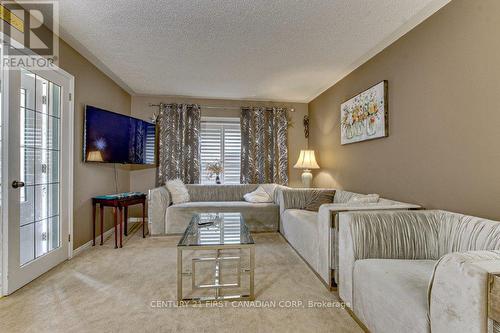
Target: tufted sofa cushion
x,y
219,192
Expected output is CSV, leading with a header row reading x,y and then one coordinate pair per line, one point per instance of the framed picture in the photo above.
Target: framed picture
x,y
365,116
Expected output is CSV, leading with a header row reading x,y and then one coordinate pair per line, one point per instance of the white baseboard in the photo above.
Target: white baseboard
x,y
88,245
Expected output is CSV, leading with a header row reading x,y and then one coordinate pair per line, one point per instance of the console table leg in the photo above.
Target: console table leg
x,y
93,223
121,224
125,220
115,225
143,217
101,216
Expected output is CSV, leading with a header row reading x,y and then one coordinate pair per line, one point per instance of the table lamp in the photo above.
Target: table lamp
x,y
306,161
94,156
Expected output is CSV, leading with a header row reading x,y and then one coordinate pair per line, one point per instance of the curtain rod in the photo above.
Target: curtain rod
x,y
215,107
202,106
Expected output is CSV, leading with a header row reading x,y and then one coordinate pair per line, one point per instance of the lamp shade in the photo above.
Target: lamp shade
x,y
94,156
307,160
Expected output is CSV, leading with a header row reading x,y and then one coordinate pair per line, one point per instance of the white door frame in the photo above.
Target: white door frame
x,y
5,169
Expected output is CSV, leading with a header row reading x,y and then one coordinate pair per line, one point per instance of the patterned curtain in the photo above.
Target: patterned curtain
x,y
264,146
179,141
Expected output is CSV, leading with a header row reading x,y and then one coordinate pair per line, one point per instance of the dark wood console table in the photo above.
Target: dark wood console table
x,y
118,202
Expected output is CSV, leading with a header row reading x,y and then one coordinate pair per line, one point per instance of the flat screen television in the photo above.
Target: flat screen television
x,y
115,138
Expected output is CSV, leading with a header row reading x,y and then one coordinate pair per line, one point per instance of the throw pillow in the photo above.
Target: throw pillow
x,y
364,199
308,199
258,196
270,189
178,191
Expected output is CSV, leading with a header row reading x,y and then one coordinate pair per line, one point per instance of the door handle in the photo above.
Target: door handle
x,y
16,184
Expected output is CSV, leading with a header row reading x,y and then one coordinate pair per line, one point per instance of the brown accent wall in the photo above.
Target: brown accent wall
x,y
444,107
95,88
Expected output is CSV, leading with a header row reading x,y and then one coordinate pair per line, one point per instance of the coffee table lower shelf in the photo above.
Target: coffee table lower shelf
x,y
218,258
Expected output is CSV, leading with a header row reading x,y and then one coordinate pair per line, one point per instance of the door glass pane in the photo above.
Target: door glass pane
x,y
53,133
28,134
46,201
28,89
27,203
41,94
47,166
27,167
27,234
54,102
53,233
41,238
40,157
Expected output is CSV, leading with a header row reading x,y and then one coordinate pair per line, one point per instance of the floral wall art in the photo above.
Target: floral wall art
x,y
364,117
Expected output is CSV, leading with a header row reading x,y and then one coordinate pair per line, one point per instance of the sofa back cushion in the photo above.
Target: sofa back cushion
x,y
343,197
392,234
308,199
219,192
461,233
363,199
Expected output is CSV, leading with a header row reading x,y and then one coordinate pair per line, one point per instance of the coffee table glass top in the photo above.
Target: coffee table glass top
x,y
207,229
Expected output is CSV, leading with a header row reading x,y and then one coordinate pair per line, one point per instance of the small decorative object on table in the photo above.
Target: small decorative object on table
x,y
208,219
118,202
215,168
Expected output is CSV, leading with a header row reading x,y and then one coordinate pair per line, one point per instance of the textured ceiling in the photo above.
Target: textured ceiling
x,y
280,50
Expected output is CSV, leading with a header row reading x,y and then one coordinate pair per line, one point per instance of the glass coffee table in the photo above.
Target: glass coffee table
x,y
215,259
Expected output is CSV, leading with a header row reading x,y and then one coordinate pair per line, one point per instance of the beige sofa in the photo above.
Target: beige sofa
x,y
314,234
165,218
418,271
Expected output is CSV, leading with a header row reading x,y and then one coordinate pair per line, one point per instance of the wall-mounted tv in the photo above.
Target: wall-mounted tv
x,y
115,138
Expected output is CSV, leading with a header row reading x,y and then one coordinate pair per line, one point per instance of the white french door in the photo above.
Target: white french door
x,y
39,170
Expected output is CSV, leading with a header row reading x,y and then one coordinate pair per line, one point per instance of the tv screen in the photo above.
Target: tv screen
x,y
115,138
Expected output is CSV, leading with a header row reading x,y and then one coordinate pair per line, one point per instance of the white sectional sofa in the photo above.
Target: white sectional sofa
x,y
418,271
314,234
165,218
398,268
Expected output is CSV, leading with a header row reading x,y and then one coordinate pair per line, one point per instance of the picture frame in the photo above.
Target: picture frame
x,y
365,116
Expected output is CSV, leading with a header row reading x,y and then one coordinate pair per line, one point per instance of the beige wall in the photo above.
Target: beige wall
x,y
143,178
444,107
94,88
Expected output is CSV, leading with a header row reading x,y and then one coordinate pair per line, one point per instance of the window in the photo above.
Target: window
x,y
150,144
221,141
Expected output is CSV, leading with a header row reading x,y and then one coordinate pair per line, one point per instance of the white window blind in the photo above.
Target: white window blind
x,y
150,144
221,141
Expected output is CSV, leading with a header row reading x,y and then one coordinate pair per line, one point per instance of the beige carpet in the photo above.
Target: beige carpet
x,y
108,290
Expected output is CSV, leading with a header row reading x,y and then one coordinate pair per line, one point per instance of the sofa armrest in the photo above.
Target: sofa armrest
x,y
158,202
383,235
328,219
458,291
278,197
